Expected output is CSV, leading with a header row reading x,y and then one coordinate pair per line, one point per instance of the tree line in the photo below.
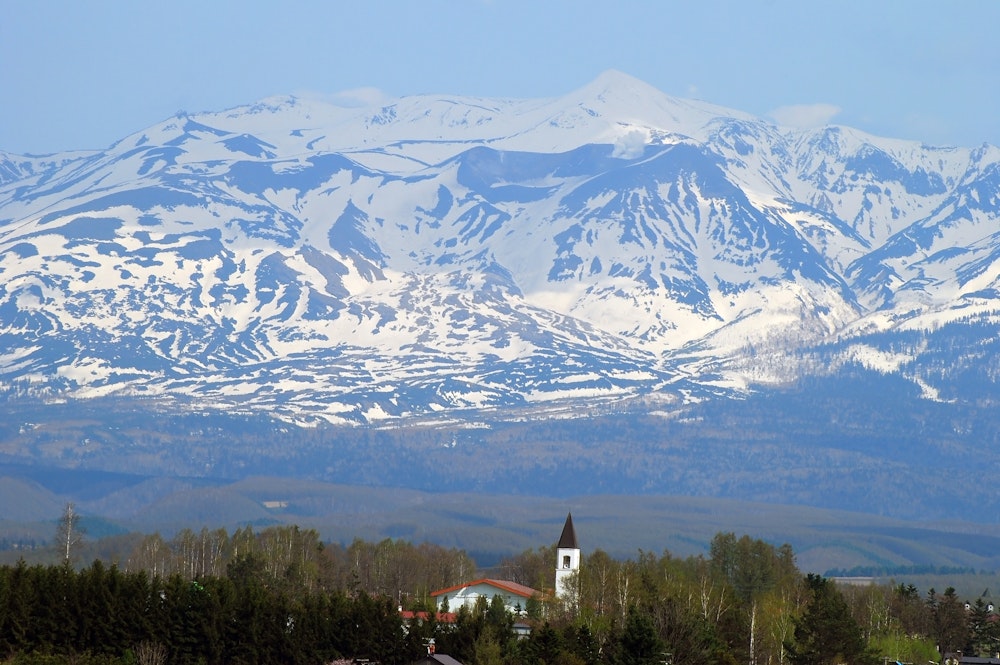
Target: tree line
x,y
282,595
104,615
296,558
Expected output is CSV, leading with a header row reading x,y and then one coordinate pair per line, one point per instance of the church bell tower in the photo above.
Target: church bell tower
x,y
567,560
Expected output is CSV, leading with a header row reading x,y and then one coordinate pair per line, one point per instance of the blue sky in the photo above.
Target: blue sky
x,y
83,74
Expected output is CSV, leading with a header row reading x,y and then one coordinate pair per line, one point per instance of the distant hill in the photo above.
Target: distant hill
x,y
26,501
491,526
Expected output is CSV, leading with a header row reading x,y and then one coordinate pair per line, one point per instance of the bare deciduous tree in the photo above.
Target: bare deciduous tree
x,y
69,533
150,653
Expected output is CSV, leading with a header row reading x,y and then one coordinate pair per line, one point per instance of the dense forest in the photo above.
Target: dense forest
x,y
281,595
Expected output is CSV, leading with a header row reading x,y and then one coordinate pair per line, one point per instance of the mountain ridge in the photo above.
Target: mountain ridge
x,y
431,253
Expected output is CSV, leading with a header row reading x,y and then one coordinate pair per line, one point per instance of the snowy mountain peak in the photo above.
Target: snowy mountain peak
x,y
610,107
614,93
620,96
353,263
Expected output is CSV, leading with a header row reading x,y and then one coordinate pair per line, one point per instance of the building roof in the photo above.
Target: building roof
x,y
503,585
438,658
974,660
440,617
567,541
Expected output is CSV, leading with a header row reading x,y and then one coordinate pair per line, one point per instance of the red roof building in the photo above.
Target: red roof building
x,y
515,596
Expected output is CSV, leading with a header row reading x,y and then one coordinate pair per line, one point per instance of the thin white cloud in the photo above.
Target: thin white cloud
x,y
805,116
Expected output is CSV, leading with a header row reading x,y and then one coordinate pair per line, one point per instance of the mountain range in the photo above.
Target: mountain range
x,y
450,261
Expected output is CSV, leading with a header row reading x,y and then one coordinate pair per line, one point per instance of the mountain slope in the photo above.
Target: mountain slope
x,y
438,254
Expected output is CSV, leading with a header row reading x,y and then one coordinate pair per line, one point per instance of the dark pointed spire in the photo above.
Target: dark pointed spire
x,y
567,541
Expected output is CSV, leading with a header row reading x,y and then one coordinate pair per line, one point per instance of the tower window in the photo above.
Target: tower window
x,y
566,561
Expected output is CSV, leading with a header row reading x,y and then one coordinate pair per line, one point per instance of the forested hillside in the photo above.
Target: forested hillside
x,y
865,443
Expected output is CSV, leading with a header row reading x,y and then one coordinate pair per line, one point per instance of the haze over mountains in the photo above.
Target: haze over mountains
x,y
459,261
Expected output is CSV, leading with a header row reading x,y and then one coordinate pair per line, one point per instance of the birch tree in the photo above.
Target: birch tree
x,y
69,533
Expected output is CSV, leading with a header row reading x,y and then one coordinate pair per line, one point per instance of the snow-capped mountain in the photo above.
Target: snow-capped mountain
x,y
438,253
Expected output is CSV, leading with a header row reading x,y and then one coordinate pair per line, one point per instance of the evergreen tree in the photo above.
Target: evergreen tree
x,y
826,633
487,649
915,617
460,639
582,644
543,647
640,643
56,616
950,622
498,620
137,606
980,640
98,622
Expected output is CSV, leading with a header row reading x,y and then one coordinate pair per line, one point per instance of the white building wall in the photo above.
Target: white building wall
x,y
469,595
567,563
